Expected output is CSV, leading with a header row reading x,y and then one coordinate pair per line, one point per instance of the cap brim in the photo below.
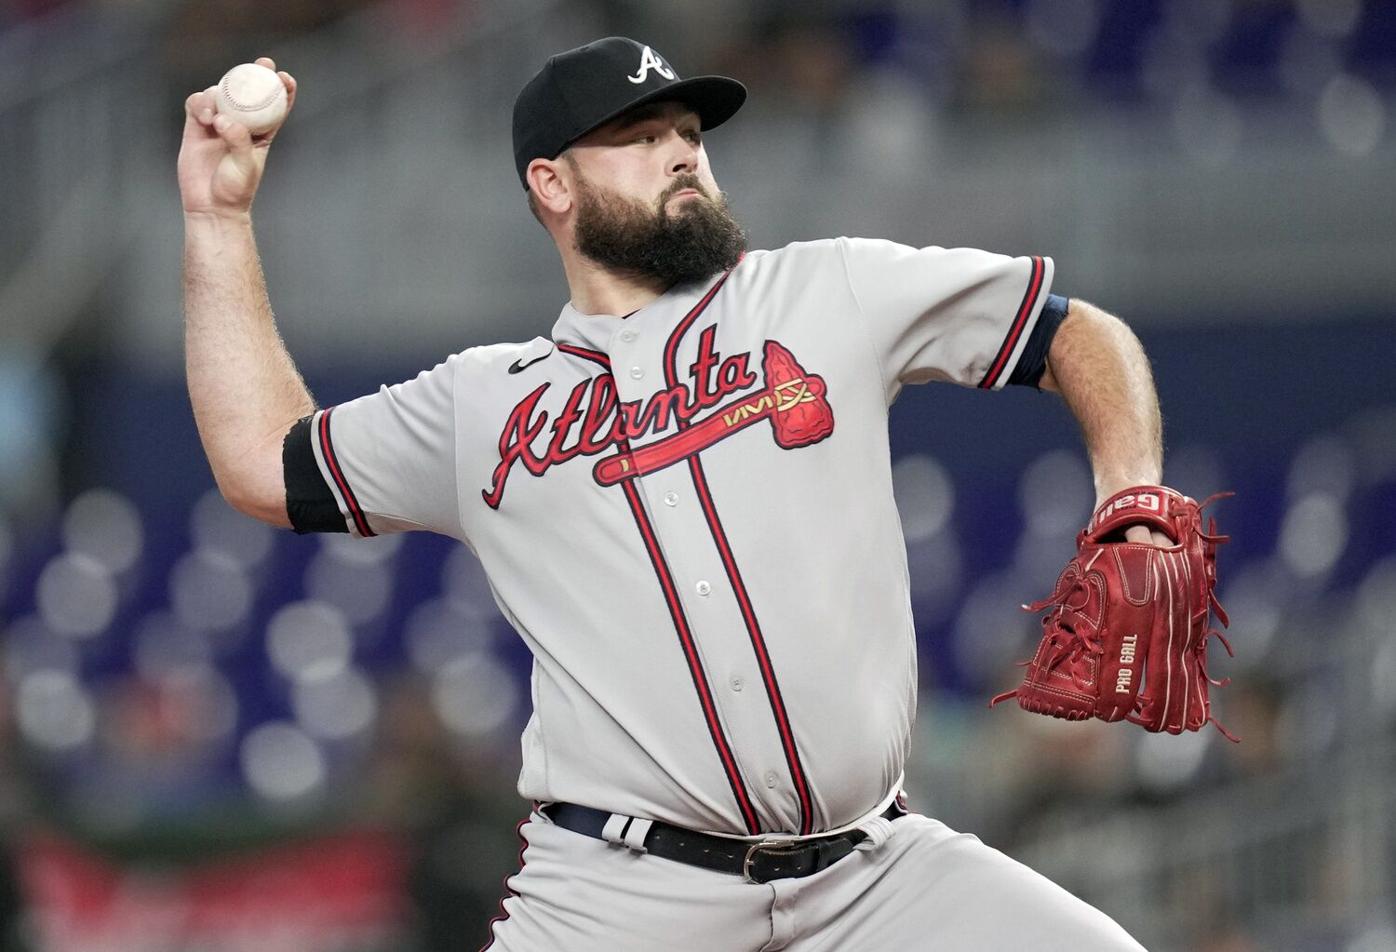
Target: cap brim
x,y
715,98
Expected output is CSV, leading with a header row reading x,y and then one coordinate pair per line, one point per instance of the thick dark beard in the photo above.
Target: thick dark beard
x,y
627,236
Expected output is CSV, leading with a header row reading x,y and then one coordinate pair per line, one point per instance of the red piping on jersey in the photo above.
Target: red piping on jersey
x,y
734,575
327,448
1019,322
508,892
671,598
695,664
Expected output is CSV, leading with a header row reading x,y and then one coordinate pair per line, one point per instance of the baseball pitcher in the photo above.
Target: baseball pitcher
x,y
683,500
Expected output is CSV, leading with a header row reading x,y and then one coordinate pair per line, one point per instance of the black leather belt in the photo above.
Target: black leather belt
x,y
754,862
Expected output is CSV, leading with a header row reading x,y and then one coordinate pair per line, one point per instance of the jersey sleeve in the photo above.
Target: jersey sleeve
x,y
386,461
954,314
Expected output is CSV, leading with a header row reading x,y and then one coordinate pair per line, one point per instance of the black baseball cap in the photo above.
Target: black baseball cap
x,y
587,87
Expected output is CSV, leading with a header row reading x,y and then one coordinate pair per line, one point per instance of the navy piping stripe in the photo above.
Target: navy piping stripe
x,y
350,501
681,627
1019,322
594,355
509,892
734,576
695,664
758,644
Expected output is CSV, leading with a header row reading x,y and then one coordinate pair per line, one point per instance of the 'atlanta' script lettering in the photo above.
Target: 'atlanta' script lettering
x,y
594,419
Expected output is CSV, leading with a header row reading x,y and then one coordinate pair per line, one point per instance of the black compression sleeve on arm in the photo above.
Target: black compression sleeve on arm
x,y
1028,371
309,503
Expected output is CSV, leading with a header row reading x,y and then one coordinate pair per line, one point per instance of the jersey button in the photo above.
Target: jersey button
x,y
636,373
627,336
737,683
703,588
771,780
671,498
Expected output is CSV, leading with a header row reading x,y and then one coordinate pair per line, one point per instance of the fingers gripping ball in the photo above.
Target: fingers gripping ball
x,y
254,96
1127,626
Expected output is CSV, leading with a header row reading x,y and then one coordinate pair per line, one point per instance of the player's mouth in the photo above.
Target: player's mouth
x,y
685,193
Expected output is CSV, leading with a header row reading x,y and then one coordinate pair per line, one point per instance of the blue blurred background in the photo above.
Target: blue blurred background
x,y
218,736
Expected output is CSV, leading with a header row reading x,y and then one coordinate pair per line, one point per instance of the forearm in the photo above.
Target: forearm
x,y
244,387
1099,367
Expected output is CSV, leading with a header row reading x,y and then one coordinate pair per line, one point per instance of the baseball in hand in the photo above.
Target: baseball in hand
x,y
254,96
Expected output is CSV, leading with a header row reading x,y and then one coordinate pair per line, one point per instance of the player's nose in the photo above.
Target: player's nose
x,y
684,157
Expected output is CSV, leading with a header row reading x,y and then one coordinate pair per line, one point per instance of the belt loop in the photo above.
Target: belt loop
x,y
630,832
614,829
635,834
879,830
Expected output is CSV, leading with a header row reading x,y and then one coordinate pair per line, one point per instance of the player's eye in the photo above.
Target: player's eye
x,y
694,136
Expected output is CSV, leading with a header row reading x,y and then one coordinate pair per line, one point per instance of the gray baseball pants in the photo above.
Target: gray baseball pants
x,y
925,887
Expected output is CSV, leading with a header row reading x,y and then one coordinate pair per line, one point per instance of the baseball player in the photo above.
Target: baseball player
x,y
683,500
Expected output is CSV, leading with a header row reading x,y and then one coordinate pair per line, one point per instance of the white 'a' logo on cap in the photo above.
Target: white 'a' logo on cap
x,y
649,60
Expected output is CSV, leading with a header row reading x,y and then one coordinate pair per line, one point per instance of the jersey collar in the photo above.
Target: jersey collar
x,y
596,331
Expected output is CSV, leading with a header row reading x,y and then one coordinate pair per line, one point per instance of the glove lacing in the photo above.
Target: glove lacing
x,y
1067,642
1214,604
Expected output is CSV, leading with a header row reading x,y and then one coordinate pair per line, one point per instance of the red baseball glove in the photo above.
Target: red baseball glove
x,y
1126,636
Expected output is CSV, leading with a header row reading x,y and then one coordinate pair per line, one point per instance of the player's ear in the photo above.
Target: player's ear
x,y
551,189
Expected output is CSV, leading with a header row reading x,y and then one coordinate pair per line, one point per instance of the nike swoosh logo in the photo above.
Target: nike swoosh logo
x,y
519,365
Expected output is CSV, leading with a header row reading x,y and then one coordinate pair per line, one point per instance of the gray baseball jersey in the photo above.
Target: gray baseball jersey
x,y
687,514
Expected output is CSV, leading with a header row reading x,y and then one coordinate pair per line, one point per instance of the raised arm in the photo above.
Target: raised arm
x,y
244,387
1098,366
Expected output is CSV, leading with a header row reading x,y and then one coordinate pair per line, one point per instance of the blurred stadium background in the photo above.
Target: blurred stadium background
x,y
217,737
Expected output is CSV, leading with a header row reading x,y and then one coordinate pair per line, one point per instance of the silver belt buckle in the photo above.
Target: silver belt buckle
x,y
771,845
